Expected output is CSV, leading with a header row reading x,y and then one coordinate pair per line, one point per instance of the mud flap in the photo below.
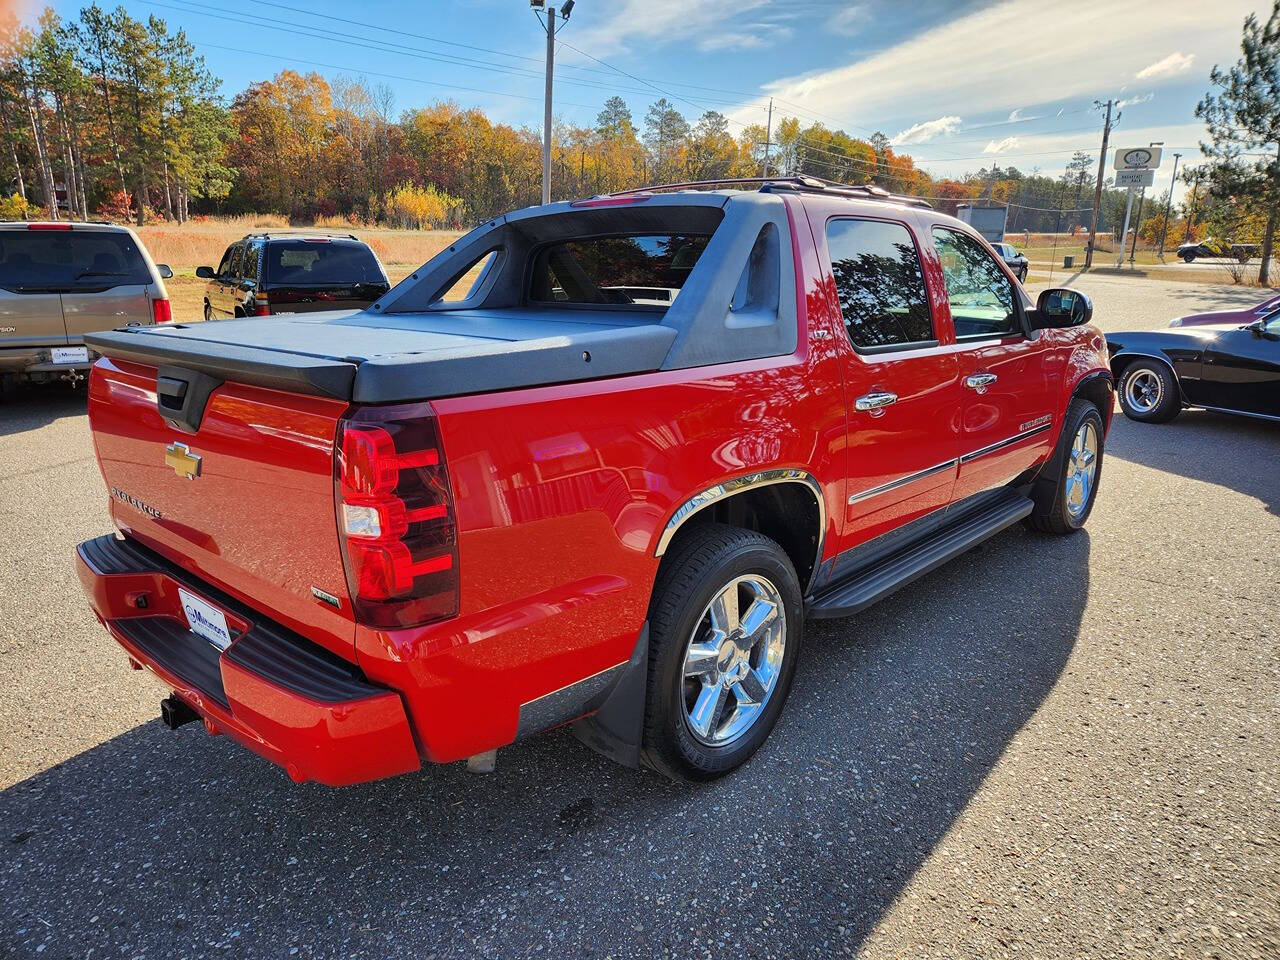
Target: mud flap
x,y
616,729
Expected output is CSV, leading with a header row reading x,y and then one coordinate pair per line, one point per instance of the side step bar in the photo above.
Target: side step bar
x,y
864,588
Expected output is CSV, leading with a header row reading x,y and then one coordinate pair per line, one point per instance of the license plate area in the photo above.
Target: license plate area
x,y
69,354
205,620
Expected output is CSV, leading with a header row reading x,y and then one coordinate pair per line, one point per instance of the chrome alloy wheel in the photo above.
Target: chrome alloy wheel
x,y
1082,470
733,660
1144,391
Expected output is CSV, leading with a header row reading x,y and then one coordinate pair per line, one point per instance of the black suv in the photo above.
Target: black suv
x,y
267,273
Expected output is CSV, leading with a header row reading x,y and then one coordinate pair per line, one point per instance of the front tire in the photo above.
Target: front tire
x,y
1188,257
1149,392
1065,493
725,626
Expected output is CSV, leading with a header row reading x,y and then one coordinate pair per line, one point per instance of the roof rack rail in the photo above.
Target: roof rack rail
x,y
301,232
800,184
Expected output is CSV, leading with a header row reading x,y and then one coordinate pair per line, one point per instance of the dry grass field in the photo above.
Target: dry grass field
x,y
199,243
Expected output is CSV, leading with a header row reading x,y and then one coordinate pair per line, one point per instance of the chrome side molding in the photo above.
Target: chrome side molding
x,y
901,481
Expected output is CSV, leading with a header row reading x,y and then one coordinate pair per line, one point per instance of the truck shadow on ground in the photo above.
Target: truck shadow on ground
x,y
30,406
181,845
1214,448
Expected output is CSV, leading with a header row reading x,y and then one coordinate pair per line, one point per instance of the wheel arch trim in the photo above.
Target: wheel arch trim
x,y
726,489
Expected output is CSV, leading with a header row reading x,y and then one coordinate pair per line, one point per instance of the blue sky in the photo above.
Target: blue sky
x,y
955,84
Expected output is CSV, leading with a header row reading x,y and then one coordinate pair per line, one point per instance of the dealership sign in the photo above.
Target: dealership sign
x,y
1138,158
1134,178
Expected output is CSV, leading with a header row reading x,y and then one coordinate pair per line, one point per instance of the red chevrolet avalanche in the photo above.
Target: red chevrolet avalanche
x,y
597,463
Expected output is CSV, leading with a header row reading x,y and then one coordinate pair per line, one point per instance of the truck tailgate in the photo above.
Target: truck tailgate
x,y
255,515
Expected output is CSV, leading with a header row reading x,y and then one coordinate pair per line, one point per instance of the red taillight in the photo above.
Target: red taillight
x,y
48,226
262,305
162,311
395,516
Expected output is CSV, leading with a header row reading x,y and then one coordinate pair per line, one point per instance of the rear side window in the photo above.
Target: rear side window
x,y
983,303
647,271
33,261
321,261
249,266
879,283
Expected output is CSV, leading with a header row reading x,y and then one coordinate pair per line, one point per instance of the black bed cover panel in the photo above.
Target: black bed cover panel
x,y
380,358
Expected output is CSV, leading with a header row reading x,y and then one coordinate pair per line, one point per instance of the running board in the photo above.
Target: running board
x,y
864,588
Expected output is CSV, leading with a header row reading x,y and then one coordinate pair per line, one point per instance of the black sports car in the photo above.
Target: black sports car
x,y
1228,368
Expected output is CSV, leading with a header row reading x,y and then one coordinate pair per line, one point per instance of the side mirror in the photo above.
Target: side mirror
x,y
165,271
1061,307
205,273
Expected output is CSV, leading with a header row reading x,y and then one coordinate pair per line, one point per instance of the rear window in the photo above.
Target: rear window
x,y
320,261
33,261
647,270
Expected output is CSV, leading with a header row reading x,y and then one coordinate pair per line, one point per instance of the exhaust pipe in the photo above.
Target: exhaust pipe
x,y
175,712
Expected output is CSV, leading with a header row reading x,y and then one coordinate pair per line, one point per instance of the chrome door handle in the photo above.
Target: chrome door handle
x,y
980,381
874,401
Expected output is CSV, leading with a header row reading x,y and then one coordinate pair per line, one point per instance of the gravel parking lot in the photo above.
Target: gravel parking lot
x,y
1049,748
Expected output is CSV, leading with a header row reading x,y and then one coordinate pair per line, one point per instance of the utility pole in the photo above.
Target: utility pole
x,y
550,27
1097,188
1168,205
768,137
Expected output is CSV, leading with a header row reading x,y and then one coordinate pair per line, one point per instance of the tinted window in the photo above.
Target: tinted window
x,y
647,270
41,260
249,267
224,268
983,302
879,283
321,261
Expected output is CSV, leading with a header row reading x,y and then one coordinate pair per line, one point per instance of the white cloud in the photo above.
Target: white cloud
x,y
1002,146
928,130
1016,115
975,64
763,35
1134,101
635,25
1175,63
849,20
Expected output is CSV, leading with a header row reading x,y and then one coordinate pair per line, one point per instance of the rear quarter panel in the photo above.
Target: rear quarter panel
x,y
561,495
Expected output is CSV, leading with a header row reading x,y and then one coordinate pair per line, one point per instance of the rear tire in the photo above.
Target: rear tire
x,y
725,626
1149,392
1065,493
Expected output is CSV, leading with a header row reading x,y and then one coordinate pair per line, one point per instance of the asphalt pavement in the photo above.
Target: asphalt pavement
x,y
1052,747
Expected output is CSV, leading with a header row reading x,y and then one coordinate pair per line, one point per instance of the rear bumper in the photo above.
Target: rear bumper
x,y
272,690
38,360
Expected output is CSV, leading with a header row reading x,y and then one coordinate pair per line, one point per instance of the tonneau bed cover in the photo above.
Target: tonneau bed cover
x,y
388,358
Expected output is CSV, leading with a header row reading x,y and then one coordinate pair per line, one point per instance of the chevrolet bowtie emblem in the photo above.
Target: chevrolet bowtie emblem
x,y
184,462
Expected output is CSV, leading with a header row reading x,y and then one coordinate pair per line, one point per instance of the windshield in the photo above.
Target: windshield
x,y
69,260
309,262
644,270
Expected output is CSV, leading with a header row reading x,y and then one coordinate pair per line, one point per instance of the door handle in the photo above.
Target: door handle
x,y
874,401
980,381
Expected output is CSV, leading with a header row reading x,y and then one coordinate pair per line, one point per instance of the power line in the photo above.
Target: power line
x,y
385,76
369,43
